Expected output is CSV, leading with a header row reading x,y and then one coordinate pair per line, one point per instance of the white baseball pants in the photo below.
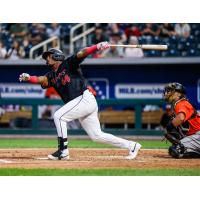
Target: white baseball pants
x,y
85,109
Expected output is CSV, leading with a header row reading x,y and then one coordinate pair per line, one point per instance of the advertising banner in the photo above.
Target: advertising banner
x,y
20,90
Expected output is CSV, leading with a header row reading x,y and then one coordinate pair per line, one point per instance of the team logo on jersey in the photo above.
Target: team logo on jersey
x,y
65,80
101,86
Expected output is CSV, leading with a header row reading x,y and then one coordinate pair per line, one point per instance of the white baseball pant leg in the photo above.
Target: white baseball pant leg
x,y
91,125
85,109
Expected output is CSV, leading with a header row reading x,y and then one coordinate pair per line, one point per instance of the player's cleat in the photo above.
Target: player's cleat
x,y
134,151
177,151
59,155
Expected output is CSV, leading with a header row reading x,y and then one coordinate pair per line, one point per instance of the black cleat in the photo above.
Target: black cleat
x,y
59,155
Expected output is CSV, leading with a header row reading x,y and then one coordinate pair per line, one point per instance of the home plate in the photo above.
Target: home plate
x,y
5,161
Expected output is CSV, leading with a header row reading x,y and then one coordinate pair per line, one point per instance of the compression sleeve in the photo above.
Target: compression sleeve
x,y
90,50
87,51
33,79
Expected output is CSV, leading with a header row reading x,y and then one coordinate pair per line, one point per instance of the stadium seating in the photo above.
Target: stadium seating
x,y
192,52
177,46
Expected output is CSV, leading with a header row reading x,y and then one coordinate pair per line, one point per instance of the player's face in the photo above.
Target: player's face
x,y
171,96
168,96
50,61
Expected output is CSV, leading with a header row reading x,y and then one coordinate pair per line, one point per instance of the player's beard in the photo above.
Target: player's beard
x,y
169,98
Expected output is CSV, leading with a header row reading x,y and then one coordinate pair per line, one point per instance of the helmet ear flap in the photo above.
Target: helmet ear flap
x,y
180,88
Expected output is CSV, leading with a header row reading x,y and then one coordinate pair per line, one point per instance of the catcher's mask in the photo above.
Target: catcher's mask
x,y
57,54
170,89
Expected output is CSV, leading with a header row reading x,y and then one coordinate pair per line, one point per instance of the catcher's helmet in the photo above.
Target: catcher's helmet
x,y
175,87
56,54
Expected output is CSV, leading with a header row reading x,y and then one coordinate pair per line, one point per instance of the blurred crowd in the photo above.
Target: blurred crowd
x,y
17,39
183,39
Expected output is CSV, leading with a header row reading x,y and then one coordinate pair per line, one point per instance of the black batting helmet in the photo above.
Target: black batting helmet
x,y
176,87
56,54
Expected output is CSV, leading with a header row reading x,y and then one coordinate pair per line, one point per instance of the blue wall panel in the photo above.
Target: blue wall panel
x,y
187,74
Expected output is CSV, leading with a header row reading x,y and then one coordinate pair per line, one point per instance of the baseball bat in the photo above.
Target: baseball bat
x,y
142,46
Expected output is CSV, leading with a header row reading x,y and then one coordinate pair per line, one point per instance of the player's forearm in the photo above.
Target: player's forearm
x,y
87,51
178,120
42,80
34,80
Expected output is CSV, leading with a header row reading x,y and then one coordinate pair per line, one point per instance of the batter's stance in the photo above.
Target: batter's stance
x,y
80,103
183,130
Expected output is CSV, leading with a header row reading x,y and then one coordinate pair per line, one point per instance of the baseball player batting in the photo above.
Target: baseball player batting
x,y
65,76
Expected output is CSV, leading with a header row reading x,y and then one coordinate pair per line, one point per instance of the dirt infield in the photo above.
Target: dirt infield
x,y
92,158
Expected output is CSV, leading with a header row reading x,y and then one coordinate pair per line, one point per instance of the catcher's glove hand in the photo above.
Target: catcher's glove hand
x,y
24,77
174,135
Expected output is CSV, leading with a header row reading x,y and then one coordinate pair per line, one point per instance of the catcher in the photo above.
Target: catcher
x,y
183,130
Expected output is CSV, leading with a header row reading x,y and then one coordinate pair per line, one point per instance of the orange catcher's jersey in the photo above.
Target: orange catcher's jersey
x,y
193,119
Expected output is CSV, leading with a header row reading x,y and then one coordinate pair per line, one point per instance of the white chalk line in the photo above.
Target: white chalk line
x,y
5,161
43,158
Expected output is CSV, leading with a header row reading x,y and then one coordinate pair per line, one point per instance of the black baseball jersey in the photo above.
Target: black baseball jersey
x,y
68,80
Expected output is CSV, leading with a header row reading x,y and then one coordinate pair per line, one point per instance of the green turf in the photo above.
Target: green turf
x,y
99,172
73,143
